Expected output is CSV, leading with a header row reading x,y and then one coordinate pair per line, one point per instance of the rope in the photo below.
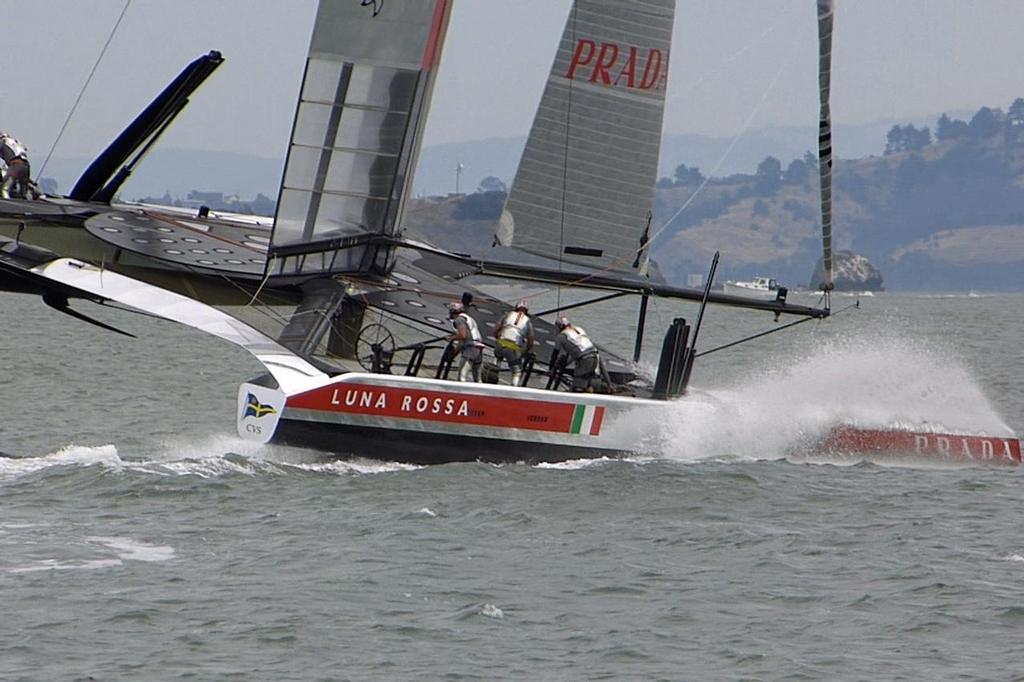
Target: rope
x,y
770,331
84,86
565,166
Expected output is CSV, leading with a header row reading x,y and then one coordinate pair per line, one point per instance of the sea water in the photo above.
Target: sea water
x,y
141,539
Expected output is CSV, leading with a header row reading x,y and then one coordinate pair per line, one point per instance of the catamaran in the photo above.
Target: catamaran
x,y
347,312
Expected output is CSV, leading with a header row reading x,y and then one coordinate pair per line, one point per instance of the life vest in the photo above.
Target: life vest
x,y
580,342
474,332
513,330
11,149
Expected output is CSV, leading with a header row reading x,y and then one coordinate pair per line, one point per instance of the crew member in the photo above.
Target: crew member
x,y
514,333
17,176
573,345
467,342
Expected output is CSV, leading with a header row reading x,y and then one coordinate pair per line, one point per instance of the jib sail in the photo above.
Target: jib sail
x,y
584,187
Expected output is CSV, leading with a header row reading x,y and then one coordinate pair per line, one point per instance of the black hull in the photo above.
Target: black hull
x,y
410,447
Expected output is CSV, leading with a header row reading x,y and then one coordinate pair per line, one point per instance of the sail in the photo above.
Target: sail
x,y
585,184
826,10
356,134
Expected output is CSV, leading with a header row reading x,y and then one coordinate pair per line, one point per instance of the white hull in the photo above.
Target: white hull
x,y
748,290
431,421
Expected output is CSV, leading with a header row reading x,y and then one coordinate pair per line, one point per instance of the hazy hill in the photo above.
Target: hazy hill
x,y
499,156
179,171
931,212
943,212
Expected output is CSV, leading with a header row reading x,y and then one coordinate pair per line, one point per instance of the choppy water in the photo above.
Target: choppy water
x,y
141,540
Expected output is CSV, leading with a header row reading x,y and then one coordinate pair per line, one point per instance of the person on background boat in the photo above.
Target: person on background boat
x,y
467,341
573,345
17,174
514,333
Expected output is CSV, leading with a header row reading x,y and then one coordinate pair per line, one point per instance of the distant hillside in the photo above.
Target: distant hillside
x,y
499,156
936,204
942,211
179,171
932,212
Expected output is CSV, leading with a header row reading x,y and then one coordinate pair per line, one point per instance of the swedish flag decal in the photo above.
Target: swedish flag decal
x,y
254,408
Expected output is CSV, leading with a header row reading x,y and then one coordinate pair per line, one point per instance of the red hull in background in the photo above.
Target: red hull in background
x,y
850,440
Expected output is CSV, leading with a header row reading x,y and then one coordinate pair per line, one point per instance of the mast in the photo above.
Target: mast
x,y
826,10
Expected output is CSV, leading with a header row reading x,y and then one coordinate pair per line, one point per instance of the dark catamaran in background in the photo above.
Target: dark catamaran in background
x,y
348,313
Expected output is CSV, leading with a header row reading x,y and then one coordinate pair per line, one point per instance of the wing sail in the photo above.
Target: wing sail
x,y
826,10
356,135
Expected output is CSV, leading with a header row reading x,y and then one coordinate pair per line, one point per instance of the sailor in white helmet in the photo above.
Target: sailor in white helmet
x,y
468,343
514,333
17,175
573,345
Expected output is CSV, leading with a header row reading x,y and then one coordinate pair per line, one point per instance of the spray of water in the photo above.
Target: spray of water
x,y
70,455
208,456
784,412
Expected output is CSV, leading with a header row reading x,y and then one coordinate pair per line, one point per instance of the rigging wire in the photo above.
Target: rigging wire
x,y
769,331
85,86
565,165
266,276
732,144
717,72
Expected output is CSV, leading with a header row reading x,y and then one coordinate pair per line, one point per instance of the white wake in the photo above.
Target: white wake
x,y
783,412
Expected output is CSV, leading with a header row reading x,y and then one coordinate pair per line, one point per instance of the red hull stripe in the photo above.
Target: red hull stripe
x,y
440,406
595,427
995,450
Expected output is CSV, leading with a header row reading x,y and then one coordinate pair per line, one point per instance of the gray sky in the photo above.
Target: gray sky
x,y
735,63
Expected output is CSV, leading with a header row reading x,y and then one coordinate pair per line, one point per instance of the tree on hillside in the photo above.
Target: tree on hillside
x,y
950,129
768,178
688,177
1015,114
894,140
1015,120
907,139
796,172
985,123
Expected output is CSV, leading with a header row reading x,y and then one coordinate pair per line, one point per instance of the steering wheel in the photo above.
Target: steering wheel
x,y
374,344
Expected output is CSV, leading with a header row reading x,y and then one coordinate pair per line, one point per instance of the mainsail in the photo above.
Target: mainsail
x,y
826,10
356,134
585,184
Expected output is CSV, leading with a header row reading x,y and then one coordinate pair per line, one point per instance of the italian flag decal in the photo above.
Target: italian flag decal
x,y
586,419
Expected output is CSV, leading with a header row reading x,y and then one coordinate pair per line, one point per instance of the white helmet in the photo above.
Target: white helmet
x,y
522,305
561,323
454,308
